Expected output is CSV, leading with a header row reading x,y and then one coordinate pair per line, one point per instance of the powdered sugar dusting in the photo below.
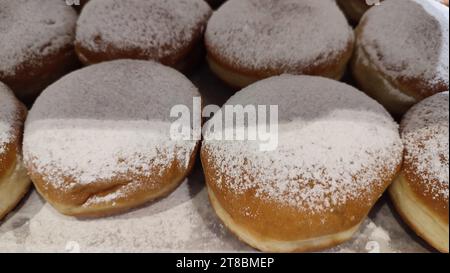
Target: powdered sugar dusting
x,y
425,134
32,30
8,112
409,39
335,145
105,121
158,28
269,34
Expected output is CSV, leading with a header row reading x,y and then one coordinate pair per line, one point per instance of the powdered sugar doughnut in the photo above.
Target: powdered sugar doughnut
x,y
401,52
420,193
248,40
165,31
14,182
36,44
338,150
97,141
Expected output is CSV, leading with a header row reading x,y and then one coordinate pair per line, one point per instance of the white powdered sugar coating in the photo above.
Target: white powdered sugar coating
x,y
425,133
106,121
274,34
157,28
408,39
32,30
335,145
8,112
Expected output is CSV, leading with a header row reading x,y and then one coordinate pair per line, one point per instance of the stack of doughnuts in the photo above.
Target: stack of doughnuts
x,y
420,193
338,150
14,182
97,142
165,31
401,54
36,44
249,40
101,140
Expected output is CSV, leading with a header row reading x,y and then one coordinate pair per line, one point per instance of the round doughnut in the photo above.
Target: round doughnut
x,y
97,142
420,193
14,182
169,32
248,40
338,150
36,44
401,54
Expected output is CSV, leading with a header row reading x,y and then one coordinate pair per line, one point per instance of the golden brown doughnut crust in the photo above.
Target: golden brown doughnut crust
x,y
415,181
423,219
424,141
75,202
281,225
9,156
420,193
332,68
34,76
9,160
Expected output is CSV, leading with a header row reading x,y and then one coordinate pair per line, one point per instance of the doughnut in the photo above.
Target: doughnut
x,y
14,182
249,40
338,150
168,32
36,44
401,54
97,141
420,192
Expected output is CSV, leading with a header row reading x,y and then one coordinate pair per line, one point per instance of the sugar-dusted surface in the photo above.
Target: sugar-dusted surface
x,y
271,34
409,39
32,30
182,222
425,133
335,145
157,28
106,121
169,224
8,115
